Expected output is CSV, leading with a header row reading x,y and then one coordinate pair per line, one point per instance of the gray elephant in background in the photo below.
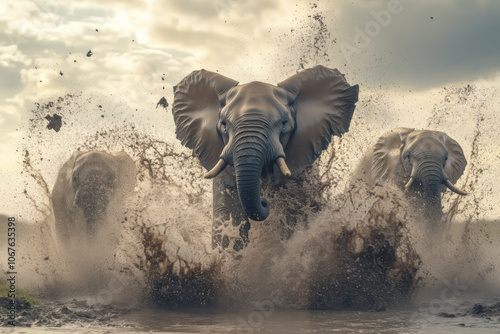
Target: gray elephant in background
x,y
242,132
423,163
86,185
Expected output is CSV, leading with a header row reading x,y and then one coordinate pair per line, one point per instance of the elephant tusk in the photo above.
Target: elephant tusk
x,y
76,200
216,170
410,182
283,167
412,177
450,186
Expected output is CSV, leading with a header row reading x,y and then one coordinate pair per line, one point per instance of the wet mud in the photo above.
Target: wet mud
x,y
57,314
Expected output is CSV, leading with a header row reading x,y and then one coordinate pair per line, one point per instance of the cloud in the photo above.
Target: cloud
x,y
211,10
10,56
215,32
201,9
114,4
426,44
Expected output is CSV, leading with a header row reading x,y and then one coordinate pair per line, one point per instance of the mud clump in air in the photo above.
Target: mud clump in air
x,y
55,122
163,102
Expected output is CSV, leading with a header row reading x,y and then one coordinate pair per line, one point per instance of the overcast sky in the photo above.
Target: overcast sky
x,y
415,44
141,48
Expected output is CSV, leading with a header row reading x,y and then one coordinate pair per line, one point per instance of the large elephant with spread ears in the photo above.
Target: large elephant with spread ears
x,y
85,187
241,132
423,163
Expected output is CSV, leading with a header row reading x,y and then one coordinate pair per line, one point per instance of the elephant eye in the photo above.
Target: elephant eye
x,y
408,156
284,124
223,125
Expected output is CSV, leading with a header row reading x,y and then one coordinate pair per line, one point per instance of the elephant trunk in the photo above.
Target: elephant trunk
x,y
250,155
431,175
93,201
92,195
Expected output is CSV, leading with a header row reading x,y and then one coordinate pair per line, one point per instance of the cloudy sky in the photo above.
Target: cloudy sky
x,y
141,48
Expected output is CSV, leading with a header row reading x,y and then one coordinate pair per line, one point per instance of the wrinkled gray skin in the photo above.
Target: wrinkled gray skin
x,y
85,186
249,127
428,158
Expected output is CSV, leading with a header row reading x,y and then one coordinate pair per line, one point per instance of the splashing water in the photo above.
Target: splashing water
x,y
351,247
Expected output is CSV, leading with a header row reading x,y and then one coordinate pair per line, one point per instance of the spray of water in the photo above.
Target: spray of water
x,y
327,244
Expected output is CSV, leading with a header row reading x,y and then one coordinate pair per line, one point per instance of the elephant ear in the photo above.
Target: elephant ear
x,y
69,166
63,188
387,154
126,171
324,105
198,99
455,165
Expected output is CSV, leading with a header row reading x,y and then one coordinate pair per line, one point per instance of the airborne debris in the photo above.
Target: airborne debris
x,y
89,54
55,122
60,73
163,102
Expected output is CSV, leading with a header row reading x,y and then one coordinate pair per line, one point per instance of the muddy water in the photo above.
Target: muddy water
x,y
359,260
451,319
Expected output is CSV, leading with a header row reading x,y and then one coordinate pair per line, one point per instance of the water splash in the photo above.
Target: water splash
x,y
350,247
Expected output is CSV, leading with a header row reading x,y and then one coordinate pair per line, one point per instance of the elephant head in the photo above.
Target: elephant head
x,y
257,126
87,181
425,162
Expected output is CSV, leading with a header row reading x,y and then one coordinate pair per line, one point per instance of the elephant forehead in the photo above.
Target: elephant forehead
x,y
427,140
422,134
95,161
256,96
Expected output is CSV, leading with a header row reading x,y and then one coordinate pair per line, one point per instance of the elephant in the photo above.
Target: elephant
x,y
242,132
85,187
423,163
